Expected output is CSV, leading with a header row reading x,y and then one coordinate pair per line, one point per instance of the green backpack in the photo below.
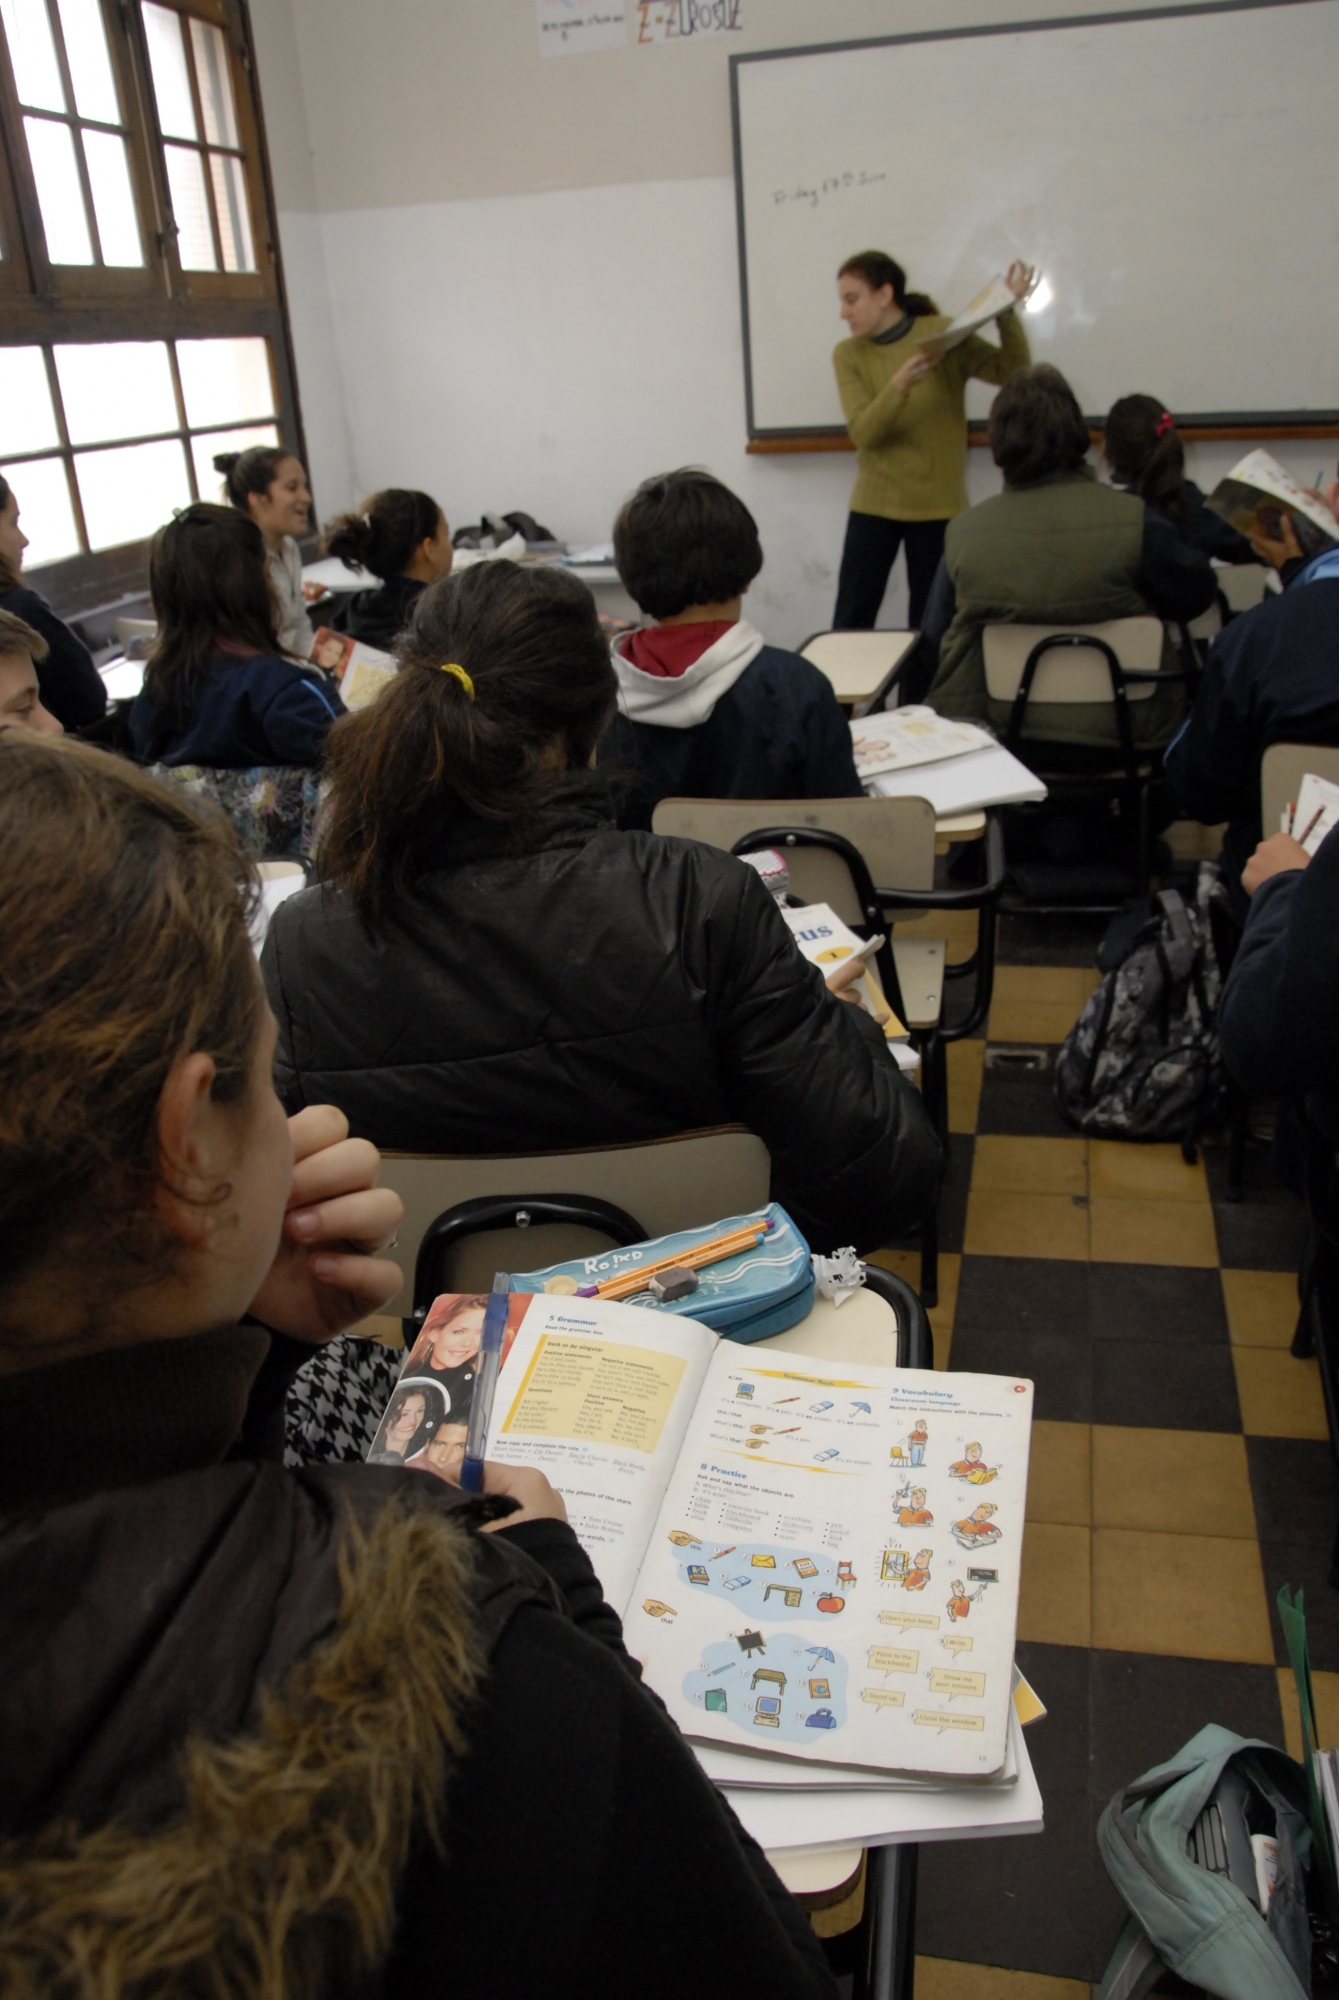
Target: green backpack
x,y
1177,1845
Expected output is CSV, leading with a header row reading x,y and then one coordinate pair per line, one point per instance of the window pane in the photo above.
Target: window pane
x,y
90,65
230,207
45,514
118,388
190,208
222,380
59,194
129,492
214,83
27,420
203,449
171,80
113,199
33,54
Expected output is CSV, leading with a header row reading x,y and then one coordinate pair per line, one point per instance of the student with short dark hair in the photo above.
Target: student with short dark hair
x,y
21,653
492,966
217,690
400,536
1147,456
270,1731
71,688
1057,548
707,709
269,486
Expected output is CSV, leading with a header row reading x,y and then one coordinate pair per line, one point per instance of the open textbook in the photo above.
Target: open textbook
x,y
362,671
818,1562
988,304
827,943
1315,813
902,738
1258,490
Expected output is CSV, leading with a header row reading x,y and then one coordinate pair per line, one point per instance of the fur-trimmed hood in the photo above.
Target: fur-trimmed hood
x,y
231,1701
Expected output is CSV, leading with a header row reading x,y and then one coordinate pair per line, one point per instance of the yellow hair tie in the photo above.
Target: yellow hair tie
x,y
461,676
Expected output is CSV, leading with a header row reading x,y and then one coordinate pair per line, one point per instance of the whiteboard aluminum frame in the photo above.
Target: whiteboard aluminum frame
x,y
1264,423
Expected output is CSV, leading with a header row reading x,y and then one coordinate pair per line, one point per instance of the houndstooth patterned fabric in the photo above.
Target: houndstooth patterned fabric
x,y
337,1400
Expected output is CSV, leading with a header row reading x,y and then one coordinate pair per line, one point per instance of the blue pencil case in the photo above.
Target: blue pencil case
x,y
748,1296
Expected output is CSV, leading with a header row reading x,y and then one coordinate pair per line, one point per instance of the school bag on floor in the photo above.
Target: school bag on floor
x,y
1142,1061
1178,1846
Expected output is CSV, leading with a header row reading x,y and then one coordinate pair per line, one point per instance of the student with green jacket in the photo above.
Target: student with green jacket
x,y
906,417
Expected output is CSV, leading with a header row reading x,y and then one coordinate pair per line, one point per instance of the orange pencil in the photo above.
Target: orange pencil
x,y
711,1252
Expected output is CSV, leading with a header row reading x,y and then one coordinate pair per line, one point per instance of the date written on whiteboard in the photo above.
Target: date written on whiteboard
x,y
681,20
835,184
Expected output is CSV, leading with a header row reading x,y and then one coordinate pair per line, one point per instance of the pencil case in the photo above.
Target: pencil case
x,y
748,1296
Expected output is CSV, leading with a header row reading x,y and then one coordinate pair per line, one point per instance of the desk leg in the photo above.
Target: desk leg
x,y
888,1968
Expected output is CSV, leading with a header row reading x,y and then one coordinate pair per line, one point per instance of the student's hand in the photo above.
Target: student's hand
x,y
1021,278
914,371
539,1501
842,982
1276,553
326,1275
1273,857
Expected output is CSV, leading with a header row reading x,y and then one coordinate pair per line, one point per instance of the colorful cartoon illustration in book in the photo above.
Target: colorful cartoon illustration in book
x,y
832,1604
790,1594
819,1456
750,1642
960,1603
715,1701
763,1562
822,1718
978,1530
802,1566
846,1575
972,1466
697,1573
917,1440
683,1540
819,1690
863,1407
744,1391
913,1513
894,1566
653,1608
769,1674
817,1407
919,1574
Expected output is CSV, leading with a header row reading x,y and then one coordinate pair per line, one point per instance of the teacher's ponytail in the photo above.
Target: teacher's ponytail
x,y
878,269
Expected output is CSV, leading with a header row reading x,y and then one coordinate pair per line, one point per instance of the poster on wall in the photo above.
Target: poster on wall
x,y
580,27
685,20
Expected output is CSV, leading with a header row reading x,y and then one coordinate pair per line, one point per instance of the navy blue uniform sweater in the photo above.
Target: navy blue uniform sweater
x,y
254,710
1272,677
778,733
70,685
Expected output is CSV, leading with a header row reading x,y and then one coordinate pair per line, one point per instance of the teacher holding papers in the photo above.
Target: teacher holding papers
x,y
905,414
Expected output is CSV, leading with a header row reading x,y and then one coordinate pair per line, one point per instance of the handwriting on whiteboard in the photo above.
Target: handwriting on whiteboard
x,y
681,20
834,184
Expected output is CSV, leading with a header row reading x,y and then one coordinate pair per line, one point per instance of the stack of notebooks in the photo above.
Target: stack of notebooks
x,y
957,766
817,1564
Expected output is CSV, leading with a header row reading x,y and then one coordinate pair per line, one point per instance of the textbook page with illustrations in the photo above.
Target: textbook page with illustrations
x,y
813,1560
1258,490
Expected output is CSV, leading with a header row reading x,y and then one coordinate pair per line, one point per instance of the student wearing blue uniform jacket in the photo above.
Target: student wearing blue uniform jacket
x,y
706,708
1272,677
217,691
1277,1021
71,687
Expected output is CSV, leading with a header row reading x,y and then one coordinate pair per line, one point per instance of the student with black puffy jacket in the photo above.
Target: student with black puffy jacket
x,y
492,966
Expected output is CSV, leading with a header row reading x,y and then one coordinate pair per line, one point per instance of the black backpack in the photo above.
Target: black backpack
x,y
1142,1061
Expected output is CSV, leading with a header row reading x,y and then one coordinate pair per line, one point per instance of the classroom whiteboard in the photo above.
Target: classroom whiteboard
x,y
1172,173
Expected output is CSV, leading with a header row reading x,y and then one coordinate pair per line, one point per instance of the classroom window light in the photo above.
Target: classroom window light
x,y
230,207
113,199
215,84
190,208
32,54
224,381
42,490
209,483
27,420
171,78
90,65
117,389
130,491
59,194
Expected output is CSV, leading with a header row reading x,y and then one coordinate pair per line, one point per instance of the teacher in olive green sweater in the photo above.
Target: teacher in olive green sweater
x,y
906,418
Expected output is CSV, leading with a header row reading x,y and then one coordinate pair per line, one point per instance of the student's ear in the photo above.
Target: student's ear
x,y
186,1143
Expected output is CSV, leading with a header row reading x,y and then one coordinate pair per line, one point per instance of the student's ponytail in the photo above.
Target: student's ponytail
x,y
878,269
505,685
383,535
1145,452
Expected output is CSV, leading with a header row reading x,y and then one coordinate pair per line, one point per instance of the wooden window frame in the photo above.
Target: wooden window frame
x,y
46,306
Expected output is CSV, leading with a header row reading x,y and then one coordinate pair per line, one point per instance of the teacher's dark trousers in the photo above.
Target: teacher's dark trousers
x,y
868,556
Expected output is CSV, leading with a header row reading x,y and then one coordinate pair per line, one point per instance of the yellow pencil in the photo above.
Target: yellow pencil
x,y
711,1252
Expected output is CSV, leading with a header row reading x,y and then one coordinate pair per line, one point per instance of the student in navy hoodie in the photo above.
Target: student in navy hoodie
x,y
217,691
706,708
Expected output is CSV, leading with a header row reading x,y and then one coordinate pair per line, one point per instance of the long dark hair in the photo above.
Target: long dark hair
x,y
383,535
209,583
878,269
9,579
429,751
1145,451
251,471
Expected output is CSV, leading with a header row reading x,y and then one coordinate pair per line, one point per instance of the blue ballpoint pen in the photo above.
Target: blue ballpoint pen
x,y
485,1383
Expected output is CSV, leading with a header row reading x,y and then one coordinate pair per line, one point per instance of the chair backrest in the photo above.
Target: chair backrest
x,y
895,836
1242,584
1209,623
667,1184
1282,769
1074,674
857,663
